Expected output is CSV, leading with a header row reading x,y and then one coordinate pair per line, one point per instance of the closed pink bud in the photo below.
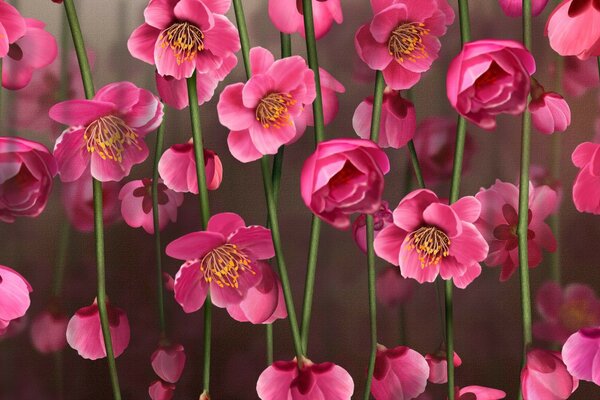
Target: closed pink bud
x,y
438,366
550,113
514,8
160,390
545,377
168,362
48,332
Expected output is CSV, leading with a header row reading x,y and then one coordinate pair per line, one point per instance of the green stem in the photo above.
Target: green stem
x,y
269,337
309,285
286,44
82,58
64,59
416,165
244,38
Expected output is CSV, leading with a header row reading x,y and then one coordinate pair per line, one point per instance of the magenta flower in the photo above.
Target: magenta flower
x,y
287,380
342,177
14,296
566,311
579,76
581,353
490,77
430,238
136,204
398,120
549,111
499,219
26,172
223,260
545,377
177,168
586,189
400,373
514,8
438,366
381,218
479,393
572,28
392,289
168,362
12,27
288,17
265,112
105,133
183,36
48,330
159,390
330,87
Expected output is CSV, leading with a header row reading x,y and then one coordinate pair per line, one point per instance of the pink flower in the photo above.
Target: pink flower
x,y
586,189
514,8
402,38
14,296
342,177
573,28
160,390
540,175
499,220
286,380
183,36
429,237
382,218
48,330
545,377
329,89
392,289
490,77
566,311
84,333
105,133
266,112
398,120
26,172
581,353
438,366
179,158
223,260
549,111
12,27
136,204
34,50
288,17
400,373
479,393
168,362
579,76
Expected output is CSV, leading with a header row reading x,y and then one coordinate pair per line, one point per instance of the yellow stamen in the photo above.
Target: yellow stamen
x,y
272,110
109,136
224,265
406,42
431,244
186,40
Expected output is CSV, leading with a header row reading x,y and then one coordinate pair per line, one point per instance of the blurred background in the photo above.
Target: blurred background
x,y
487,314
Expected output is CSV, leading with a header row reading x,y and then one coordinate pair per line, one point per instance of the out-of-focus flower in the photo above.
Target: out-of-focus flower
x,y
430,238
499,219
330,87
12,27
342,177
284,380
438,366
266,112
159,390
392,289
579,76
479,393
400,373
168,362
48,331
581,353
177,168
514,8
545,377
381,218
490,77
572,28
288,16
14,296
549,111
586,189
402,38
106,133
398,120
26,172
540,175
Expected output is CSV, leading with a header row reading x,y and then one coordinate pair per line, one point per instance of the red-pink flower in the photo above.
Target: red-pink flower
x,y
499,219
566,311
392,289
136,204
579,76
48,330
26,172
438,366
14,296
177,168
266,112
287,380
545,377
402,38
490,77
398,120
549,111
288,17
581,354
168,362
573,28
479,393
330,87
430,238
224,260
381,218
514,8
84,333
106,133
159,390
12,27
400,373
342,177
586,189
183,36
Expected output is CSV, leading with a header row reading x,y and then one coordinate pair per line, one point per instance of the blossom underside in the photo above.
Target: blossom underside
x,y
186,40
109,136
406,42
272,110
224,264
431,244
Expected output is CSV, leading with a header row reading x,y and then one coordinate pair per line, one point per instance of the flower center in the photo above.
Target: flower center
x,y
431,244
109,136
224,265
406,42
185,39
272,110
576,315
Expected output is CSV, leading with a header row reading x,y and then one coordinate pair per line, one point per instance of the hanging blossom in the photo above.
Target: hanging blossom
x,y
402,38
478,393
573,28
514,8
430,238
265,113
400,373
106,133
549,111
586,189
159,390
545,376
48,331
288,15
14,297
381,219
438,366
581,353
330,87
168,361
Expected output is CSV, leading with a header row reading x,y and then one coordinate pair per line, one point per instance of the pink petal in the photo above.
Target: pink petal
x,y
241,146
80,112
225,223
190,287
142,41
194,245
255,241
231,110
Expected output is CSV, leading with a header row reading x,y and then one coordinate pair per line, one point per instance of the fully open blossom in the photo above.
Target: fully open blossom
x,y
168,362
579,76
183,36
398,120
106,133
342,177
84,332
402,38
549,110
430,238
438,366
177,168
12,27
265,112
514,8
48,330
400,373
573,28
581,354
381,218
288,16
284,380
224,260
499,220
586,189
392,289
478,393
26,172
14,296
137,209
490,77
330,87
159,390
545,377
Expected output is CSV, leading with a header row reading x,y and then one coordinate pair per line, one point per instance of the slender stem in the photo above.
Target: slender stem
x,y
59,378
311,272
64,59
61,260
207,344
244,38
286,44
82,58
415,163
269,340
